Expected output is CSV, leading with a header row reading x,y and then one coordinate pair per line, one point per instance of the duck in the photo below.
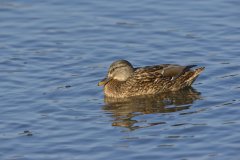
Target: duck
x,y
123,80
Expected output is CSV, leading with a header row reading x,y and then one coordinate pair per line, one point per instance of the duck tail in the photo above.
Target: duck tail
x,y
193,75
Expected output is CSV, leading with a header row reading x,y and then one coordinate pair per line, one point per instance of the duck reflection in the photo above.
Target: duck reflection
x,y
124,109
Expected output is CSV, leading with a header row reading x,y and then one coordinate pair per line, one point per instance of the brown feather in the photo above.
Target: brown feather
x,y
152,80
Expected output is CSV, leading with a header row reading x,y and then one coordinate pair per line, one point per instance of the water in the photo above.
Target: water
x,y
53,53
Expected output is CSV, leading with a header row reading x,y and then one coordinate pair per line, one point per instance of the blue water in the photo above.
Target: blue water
x,y
53,53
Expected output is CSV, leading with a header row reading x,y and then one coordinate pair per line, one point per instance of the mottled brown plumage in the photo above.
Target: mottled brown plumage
x,y
124,81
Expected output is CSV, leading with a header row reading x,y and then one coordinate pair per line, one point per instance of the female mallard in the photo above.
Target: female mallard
x,y
124,81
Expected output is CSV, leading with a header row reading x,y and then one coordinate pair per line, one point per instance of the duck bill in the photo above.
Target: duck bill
x,y
104,81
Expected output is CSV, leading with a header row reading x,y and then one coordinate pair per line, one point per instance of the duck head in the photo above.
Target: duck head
x,y
119,70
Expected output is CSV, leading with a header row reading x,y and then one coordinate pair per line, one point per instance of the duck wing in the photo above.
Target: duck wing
x,y
159,78
166,71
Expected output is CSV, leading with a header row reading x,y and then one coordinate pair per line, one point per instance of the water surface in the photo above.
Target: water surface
x,y
53,53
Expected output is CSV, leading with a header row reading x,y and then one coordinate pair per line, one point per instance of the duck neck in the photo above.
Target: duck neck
x,y
113,88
